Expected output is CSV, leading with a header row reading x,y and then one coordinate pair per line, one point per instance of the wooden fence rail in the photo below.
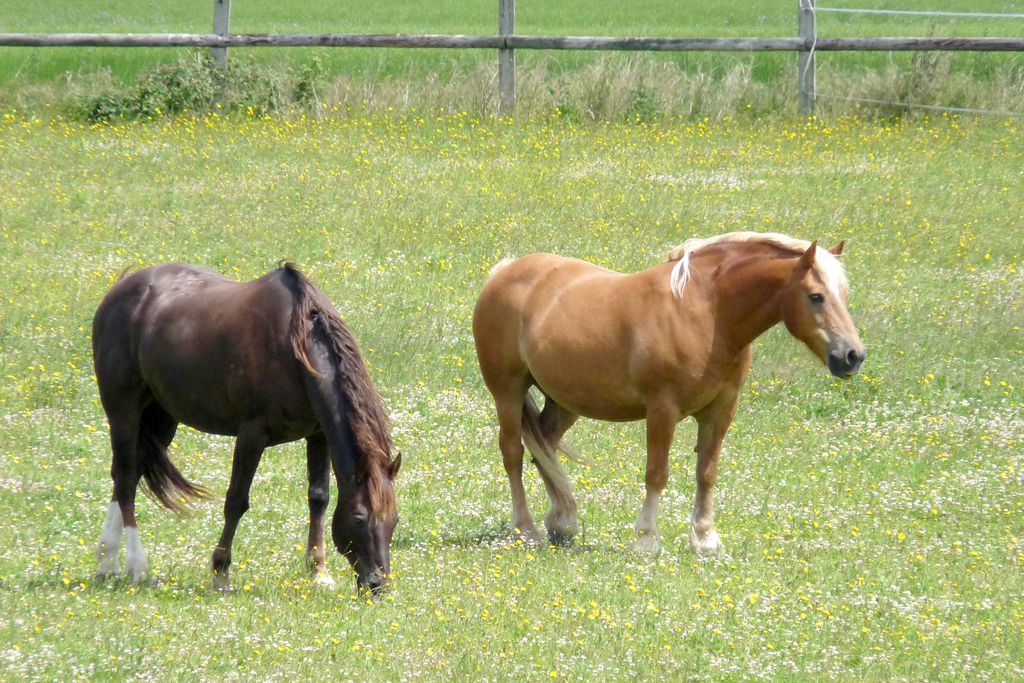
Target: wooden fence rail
x,y
513,42
506,42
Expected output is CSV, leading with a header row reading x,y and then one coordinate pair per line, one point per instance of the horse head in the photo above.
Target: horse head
x,y
814,310
363,524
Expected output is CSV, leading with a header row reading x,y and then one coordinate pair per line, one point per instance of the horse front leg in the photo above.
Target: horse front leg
x,y
248,451
661,427
318,466
712,426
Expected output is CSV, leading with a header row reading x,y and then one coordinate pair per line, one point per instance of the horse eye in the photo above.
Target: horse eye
x,y
817,298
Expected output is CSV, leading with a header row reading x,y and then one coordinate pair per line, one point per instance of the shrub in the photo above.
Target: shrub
x,y
195,83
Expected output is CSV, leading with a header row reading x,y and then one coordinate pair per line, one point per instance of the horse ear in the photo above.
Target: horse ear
x,y
806,261
838,249
394,466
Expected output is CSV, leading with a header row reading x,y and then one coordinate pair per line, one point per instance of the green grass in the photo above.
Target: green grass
x,y
32,78
873,528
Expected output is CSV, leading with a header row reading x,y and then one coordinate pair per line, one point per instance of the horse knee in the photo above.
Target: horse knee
x,y
512,450
707,477
319,498
656,479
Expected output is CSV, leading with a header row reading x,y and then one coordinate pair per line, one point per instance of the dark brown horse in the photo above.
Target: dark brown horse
x,y
662,344
268,361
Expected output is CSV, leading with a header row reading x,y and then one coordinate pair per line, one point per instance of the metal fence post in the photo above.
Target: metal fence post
x,y
221,26
506,58
805,62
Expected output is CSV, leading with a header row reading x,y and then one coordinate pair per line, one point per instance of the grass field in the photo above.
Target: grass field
x,y
31,78
873,528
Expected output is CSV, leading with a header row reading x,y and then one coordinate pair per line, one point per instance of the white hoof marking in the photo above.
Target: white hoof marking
x,y
323,580
646,543
135,557
110,543
708,545
529,535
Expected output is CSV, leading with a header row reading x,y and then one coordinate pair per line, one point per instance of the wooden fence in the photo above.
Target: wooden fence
x,y
506,41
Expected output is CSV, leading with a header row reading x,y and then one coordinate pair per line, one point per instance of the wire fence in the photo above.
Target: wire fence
x,y
809,5
921,13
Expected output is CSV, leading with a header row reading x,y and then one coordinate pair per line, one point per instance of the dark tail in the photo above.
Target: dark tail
x,y
164,483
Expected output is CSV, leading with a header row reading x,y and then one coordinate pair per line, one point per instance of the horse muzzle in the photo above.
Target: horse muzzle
x,y
377,582
844,360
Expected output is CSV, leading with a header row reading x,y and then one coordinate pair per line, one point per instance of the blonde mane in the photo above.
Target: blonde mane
x,y
826,264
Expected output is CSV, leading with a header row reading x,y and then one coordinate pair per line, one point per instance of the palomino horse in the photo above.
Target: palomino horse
x,y
662,344
269,361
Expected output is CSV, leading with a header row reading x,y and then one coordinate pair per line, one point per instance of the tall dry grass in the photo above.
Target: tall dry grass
x,y
609,88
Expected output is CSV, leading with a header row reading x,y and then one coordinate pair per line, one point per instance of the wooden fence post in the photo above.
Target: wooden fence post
x,y
506,58
221,26
805,62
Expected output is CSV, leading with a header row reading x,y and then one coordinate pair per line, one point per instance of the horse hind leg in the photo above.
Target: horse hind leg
x,y
509,407
153,429
543,432
110,543
318,467
124,470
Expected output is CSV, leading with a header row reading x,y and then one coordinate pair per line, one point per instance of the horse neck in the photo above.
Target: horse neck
x,y
747,298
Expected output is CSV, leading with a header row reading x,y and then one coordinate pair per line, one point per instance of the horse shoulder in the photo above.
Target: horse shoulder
x,y
673,341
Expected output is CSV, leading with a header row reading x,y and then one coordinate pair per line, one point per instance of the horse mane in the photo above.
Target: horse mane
x,y
366,415
826,264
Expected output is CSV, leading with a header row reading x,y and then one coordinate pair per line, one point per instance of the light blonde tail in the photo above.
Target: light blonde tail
x,y
545,453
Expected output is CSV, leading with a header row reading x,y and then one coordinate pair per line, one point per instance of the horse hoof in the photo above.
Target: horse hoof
x,y
324,580
708,545
221,582
561,538
647,544
529,535
105,575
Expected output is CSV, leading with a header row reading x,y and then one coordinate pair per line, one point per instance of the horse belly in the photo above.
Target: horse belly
x,y
223,407
225,381
198,400
597,406
585,376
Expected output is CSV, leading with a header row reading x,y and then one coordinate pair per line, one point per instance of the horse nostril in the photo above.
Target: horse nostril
x,y
844,363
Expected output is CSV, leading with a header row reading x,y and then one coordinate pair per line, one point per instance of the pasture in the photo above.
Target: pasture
x,y
873,528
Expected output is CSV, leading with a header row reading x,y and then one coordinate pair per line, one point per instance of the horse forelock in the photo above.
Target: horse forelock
x,y
826,264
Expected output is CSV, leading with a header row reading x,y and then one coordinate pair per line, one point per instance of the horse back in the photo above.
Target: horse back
x,y
212,352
